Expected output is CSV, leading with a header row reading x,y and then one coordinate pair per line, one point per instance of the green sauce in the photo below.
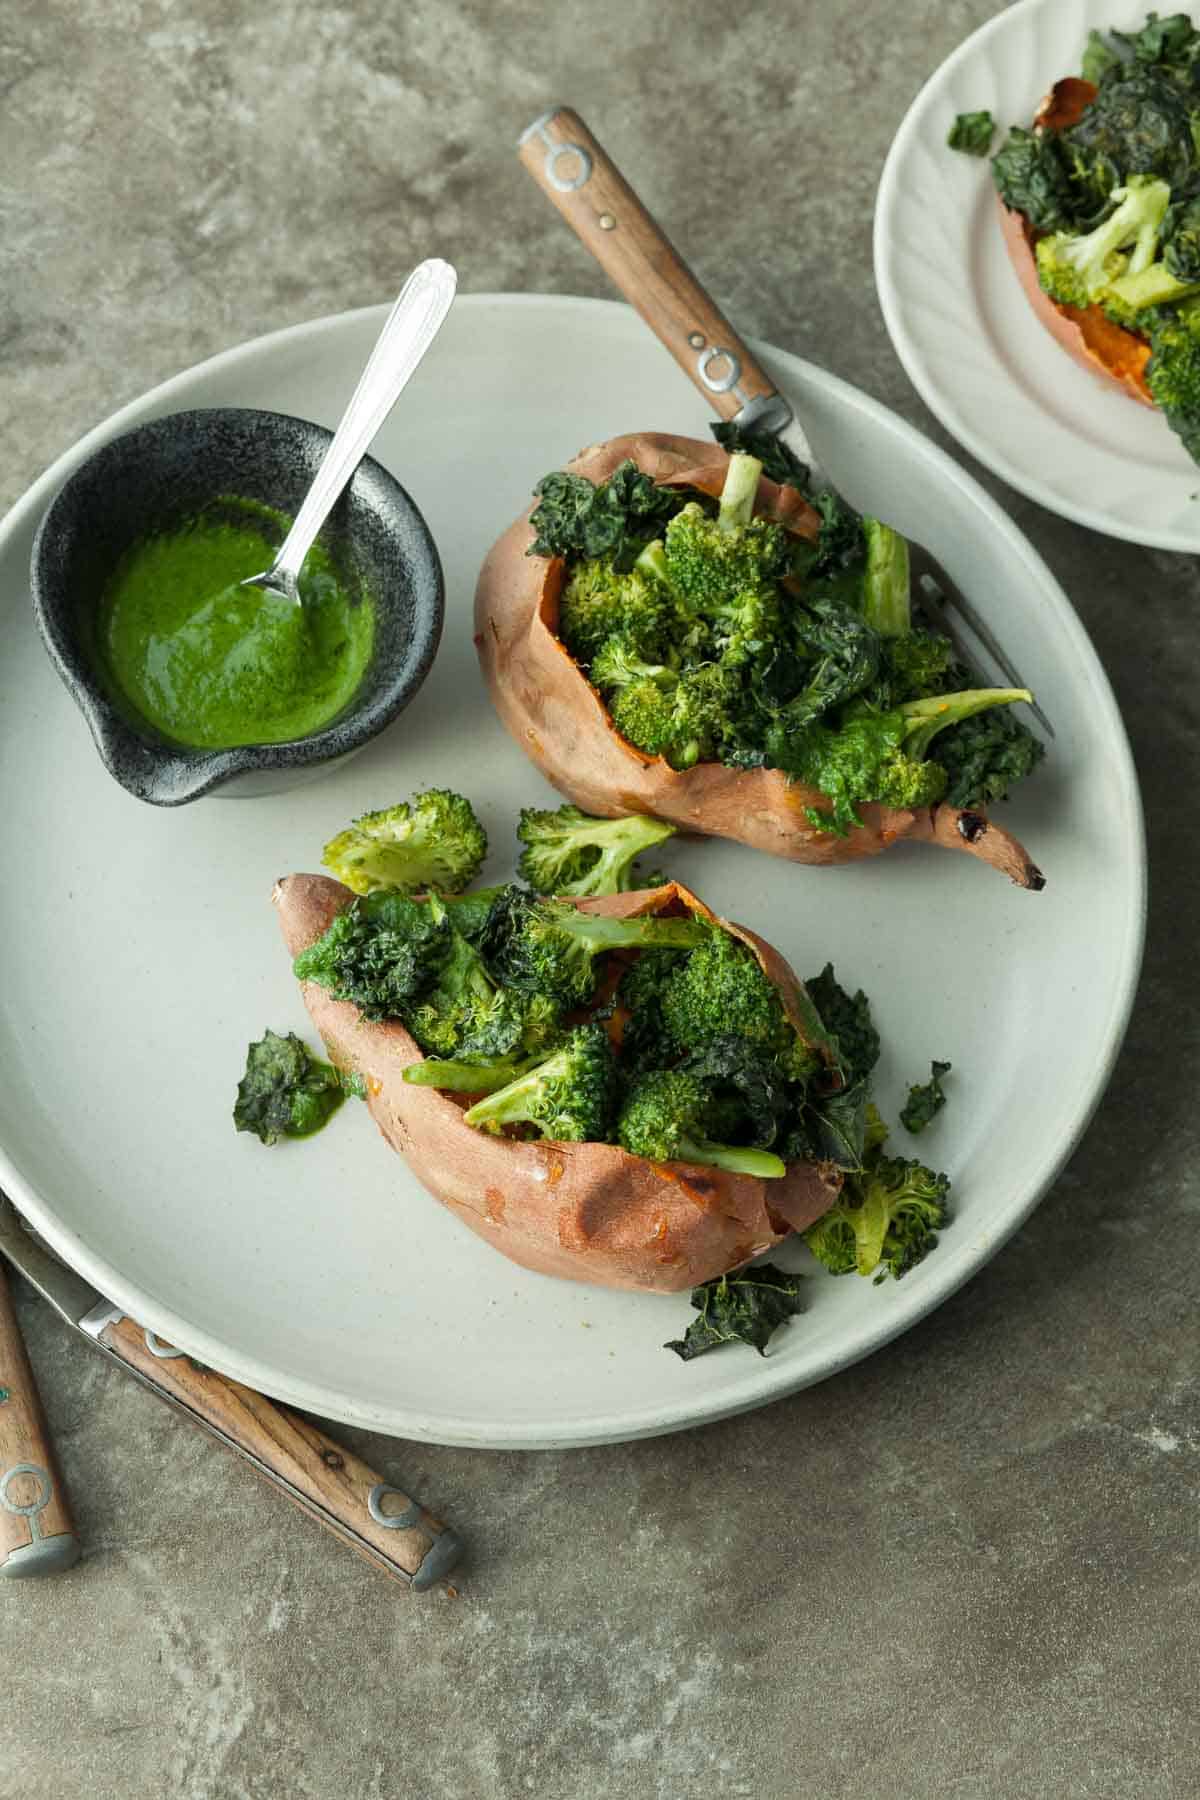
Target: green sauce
x,y
213,665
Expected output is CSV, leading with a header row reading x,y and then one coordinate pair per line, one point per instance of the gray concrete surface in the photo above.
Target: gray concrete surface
x,y
966,1568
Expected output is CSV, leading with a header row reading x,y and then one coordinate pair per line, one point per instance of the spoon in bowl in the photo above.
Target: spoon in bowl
x,y
408,331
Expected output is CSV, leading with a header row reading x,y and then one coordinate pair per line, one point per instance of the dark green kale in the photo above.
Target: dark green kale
x,y
1100,58
925,1099
286,1091
613,520
1181,239
848,1019
1031,178
748,1085
779,463
743,1308
670,1116
972,132
380,954
548,946
985,756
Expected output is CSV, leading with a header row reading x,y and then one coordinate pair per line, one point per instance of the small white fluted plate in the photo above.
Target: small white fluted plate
x,y
962,325
141,950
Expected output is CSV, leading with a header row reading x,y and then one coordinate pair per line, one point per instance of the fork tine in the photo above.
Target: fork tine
x,y
937,603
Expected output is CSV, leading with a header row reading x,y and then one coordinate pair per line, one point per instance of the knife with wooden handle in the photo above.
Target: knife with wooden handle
x,y
322,1477
37,1536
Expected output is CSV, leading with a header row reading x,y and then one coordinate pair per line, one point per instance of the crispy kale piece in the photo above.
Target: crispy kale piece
x,y
432,841
925,1099
286,1091
569,852
548,946
972,132
848,1018
746,1307
1031,178
986,755
463,1013
748,1088
885,1221
614,519
666,1116
778,462
380,954
568,1098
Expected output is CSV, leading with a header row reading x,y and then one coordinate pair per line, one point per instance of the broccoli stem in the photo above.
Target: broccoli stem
x,y
621,934
738,494
723,1156
927,717
886,580
653,562
465,1077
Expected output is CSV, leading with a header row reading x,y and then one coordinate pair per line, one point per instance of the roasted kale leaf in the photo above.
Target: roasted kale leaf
x,y
743,1308
615,519
286,1091
971,132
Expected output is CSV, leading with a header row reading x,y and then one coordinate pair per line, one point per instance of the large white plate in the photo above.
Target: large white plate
x,y
964,329
142,952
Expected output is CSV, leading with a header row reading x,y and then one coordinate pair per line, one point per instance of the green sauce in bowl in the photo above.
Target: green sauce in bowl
x,y
212,664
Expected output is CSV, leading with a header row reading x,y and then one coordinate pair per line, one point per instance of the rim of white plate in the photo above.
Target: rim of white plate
x,y
957,1262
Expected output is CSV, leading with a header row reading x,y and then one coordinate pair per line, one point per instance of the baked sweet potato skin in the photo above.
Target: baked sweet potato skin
x,y
563,726
586,1212
1087,334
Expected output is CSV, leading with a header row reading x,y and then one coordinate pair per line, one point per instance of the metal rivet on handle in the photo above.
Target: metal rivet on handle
x,y
29,1509
606,222
696,340
718,384
402,1521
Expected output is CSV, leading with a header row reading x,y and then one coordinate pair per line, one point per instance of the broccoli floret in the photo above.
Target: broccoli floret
x,y
645,1041
548,946
1074,268
886,1220
618,664
879,755
569,852
719,990
685,717
568,1098
664,1118
286,1091
1129,298
432,841
598,603
1173,372
709,562
925,1099
915,666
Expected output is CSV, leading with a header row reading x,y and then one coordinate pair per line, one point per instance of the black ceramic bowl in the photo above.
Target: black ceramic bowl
x,y
156,477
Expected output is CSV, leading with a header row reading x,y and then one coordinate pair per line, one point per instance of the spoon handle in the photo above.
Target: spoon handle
x,y
410,328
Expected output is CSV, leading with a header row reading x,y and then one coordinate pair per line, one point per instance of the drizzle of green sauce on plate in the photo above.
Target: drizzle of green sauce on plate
x,y
212,664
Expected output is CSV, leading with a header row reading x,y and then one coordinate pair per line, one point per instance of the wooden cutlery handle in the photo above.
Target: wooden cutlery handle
x,y
323,1478
37,1535
594,198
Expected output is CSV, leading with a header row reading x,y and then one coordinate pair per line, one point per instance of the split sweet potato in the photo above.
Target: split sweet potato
x,y
590,1212
563,725
1086,333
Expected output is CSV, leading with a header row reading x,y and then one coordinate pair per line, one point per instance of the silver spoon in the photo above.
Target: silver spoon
x,y
408,331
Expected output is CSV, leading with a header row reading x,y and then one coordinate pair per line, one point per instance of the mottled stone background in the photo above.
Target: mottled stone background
x,y
968,1566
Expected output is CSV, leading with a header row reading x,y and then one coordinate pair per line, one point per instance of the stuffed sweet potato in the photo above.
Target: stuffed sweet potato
x,y
589,1211
1101,221
745,782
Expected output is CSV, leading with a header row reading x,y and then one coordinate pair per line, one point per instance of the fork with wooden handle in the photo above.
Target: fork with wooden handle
x,y
575,172
37,1535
